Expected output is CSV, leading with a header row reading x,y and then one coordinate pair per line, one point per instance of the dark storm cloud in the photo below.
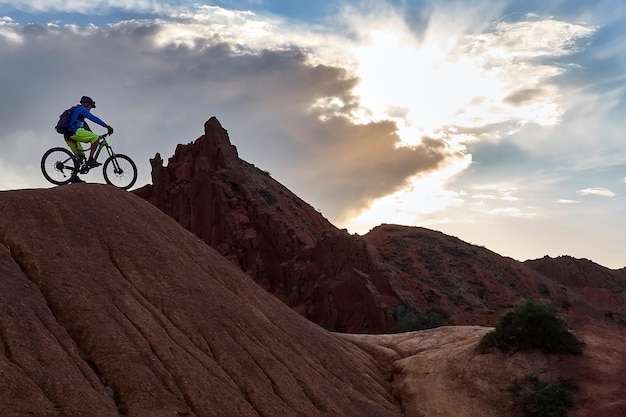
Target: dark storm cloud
x,y
158,96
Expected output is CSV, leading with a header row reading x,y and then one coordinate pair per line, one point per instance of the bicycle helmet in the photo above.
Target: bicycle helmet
x,y
88,100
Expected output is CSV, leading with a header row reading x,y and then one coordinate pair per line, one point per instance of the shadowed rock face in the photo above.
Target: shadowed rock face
x,y
120,311
346,282
284,244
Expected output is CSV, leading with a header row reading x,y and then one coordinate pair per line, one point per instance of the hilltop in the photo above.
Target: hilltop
x,y
129,314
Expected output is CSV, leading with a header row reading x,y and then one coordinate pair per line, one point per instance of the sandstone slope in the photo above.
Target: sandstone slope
x,y
438,372
108,308
124,313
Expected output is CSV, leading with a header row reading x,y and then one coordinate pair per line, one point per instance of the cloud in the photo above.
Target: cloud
x,y
507,211
341,118
519,97
602,192
94,7
566,201
499,193
484,197
531,37
157,82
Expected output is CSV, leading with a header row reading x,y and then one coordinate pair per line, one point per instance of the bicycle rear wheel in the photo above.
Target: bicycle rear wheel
x,y
59,166
120,171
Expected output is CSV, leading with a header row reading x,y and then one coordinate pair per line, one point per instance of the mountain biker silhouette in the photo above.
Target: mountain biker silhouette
x,y
79,131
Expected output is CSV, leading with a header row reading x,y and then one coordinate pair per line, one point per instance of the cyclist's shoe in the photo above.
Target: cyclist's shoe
x,y
92,163
76,180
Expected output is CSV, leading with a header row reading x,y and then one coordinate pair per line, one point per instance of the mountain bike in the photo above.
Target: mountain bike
x,y
61,166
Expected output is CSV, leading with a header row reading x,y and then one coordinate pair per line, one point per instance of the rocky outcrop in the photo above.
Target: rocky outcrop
x,y
347,282
283,243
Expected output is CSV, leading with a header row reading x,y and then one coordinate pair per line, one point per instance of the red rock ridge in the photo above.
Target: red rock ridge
x,y
282,242
347,282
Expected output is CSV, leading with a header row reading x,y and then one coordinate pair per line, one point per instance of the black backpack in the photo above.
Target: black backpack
x,y
63,125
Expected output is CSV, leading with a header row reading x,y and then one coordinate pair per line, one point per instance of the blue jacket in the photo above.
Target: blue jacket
x,y
78,116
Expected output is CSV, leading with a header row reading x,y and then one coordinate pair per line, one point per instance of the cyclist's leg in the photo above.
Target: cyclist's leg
x,y
75,147
85,136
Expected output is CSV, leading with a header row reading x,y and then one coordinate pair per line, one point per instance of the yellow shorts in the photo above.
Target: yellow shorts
x,y
81,135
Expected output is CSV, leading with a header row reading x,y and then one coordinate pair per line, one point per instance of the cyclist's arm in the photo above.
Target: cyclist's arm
x,y
82,111
95,119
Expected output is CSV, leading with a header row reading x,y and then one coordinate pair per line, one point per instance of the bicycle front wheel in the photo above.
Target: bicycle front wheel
x,y
59,166
120,171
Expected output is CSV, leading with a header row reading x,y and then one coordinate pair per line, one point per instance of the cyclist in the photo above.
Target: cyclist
x,y
79,131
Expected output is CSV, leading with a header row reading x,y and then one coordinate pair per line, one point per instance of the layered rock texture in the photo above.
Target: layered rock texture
x,y
356,283
128,314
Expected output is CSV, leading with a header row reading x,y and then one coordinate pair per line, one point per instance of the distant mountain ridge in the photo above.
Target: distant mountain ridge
x,y
354,283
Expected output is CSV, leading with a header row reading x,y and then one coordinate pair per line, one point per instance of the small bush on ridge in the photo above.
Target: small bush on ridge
x,y
532,325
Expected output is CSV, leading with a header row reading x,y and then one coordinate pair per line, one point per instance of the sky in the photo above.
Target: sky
x,y
498,122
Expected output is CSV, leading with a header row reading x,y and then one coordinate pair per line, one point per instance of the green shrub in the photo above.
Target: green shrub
x,y
532,325
542,399
409,321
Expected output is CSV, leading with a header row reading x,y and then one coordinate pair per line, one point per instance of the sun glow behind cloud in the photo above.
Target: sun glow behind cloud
x,y
423,195
416,85
457,88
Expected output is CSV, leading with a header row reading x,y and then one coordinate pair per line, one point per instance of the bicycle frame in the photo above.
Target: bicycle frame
x,y
102,143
